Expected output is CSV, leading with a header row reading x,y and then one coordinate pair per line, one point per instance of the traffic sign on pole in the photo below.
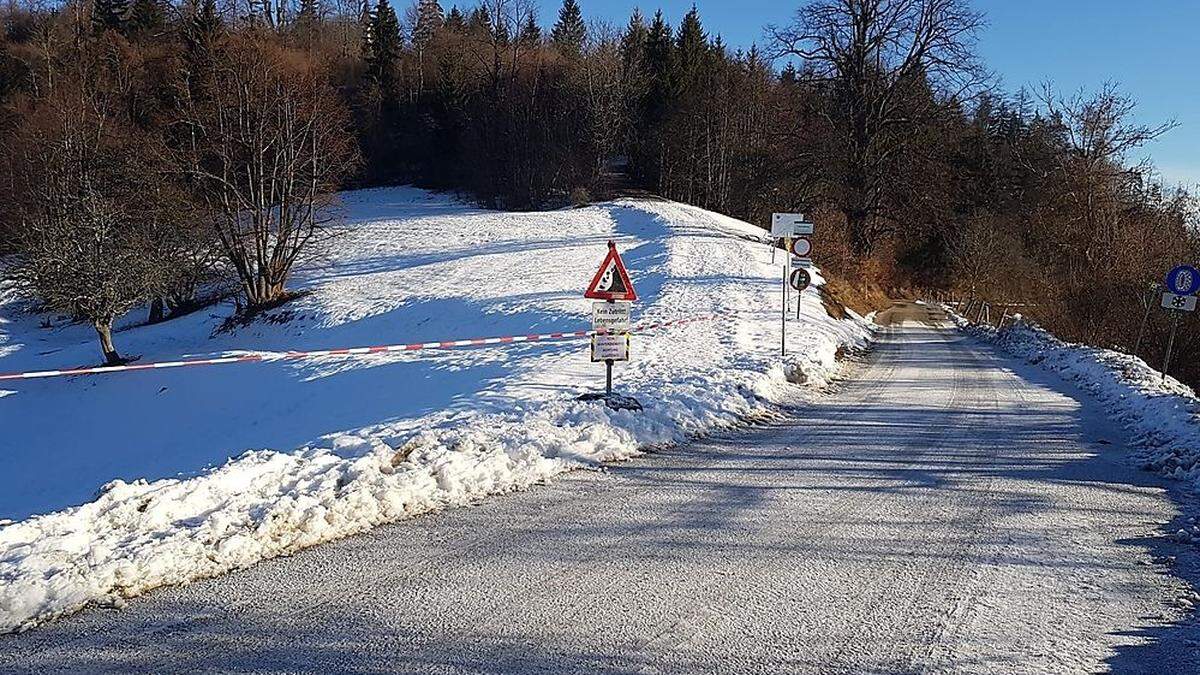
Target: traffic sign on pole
x,y
1183,280
611,318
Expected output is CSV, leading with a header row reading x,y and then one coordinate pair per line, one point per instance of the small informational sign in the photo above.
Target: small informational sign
x,y
1183,280
1179,303
612,317
800,279
609,348
788,225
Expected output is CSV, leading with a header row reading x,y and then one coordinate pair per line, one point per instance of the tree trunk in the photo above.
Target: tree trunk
x,y
104,330
263,292
157,311
861,243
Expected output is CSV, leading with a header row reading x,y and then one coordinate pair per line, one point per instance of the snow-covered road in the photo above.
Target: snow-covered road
x,y
944,509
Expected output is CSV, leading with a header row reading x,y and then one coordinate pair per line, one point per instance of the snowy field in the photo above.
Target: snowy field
x,y
151,478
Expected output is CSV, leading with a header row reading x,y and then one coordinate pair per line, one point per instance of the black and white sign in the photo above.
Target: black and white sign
x,y
1181,303
612,317
610,348
800,279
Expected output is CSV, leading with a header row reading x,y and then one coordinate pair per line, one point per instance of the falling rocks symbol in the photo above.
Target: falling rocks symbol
x,y
611,281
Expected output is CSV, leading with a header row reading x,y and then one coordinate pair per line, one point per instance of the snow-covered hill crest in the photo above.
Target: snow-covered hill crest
x,y
384,437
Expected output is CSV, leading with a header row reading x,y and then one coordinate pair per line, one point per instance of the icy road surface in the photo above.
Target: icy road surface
x,y
945,509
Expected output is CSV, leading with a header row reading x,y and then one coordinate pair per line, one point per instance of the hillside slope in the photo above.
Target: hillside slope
x,y
380,437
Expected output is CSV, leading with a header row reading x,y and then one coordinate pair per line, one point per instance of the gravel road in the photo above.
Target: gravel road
x,y
943,509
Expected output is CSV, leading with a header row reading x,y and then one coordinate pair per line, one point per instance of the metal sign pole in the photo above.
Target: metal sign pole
x,y
608,364
1137,346
1170,344
783,316
787,287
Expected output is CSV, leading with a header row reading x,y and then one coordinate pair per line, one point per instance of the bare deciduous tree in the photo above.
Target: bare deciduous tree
x,y
874,54
96,210
1098,134
269,147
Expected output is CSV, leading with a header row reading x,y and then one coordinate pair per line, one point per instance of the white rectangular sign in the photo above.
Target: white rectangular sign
x,y
787,225
1182,303
612,317
610,348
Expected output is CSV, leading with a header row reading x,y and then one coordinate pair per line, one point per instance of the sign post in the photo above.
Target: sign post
x,y
1148,301
796,234
1170,345
799,280
1182,284
611,318
783,313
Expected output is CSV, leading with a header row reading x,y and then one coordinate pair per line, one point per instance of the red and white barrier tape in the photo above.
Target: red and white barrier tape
x,y
356,351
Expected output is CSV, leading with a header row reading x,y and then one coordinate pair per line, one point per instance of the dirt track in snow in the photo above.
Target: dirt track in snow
x,y
944,509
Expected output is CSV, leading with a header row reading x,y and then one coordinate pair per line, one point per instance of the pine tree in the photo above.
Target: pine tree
x,y
531,33
384,44
455,20
789,74
660,51
202,24
691,47
366,27
480,21
647,154
109,14
569,32
430,19
146,17
633,46
500,33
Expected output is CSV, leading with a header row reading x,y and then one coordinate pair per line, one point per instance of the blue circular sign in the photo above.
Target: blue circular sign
x,y
1184,280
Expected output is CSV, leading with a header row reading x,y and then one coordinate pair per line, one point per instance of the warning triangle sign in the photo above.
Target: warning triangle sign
x,y
611,281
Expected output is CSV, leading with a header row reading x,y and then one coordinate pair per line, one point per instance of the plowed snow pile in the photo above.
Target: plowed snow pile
x,y
144,479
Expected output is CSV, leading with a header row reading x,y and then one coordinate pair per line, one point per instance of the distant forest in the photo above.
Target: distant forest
x,y
158,154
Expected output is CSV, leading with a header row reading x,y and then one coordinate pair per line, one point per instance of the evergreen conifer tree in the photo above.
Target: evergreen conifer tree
x,y
384,43
430,19
531,33
109,14
146,17
569,31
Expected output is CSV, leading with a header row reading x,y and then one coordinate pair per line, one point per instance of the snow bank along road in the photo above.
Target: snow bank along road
x,y
944,509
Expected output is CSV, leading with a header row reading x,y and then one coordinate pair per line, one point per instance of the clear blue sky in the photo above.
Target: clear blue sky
x,y
1151,48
